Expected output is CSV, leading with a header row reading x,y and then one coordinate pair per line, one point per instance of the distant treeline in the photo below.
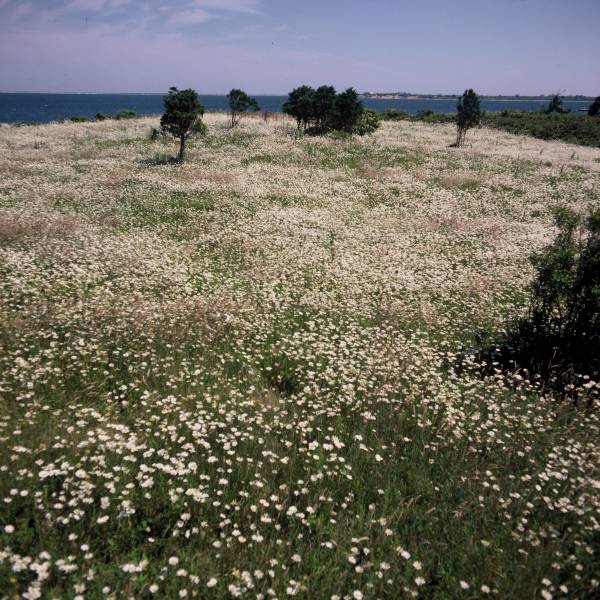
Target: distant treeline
x,y
577,97
554,123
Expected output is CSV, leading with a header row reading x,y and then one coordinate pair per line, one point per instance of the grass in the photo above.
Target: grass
x,y
244,376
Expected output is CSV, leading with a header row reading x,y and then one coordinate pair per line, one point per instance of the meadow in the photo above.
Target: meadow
x,y
248,376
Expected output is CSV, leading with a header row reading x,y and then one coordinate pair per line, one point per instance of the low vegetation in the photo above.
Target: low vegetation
x,y
244,375
567,127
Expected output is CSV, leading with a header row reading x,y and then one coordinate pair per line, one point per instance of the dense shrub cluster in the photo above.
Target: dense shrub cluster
x,y
323,110
568,127
559,339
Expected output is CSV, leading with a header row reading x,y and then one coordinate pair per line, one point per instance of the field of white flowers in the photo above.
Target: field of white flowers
x,y
243,376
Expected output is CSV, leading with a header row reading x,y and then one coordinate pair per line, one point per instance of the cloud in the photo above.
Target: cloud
x,y
157,16
190,17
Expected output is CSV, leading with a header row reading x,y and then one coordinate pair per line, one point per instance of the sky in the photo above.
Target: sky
x,y
270,46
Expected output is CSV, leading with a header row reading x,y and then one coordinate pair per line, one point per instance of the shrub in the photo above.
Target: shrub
x,y
101,117
324,109
594,109
80,119
240,102
300,105
559,339
469,115
348,111
556,106
368,123
126,114
392,114
182,117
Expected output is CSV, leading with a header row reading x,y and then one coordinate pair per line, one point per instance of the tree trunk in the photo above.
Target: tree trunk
x,y
181,149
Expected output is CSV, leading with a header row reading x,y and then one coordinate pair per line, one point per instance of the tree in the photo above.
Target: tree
x,y
469,115
595,108
348,110
559,339
300,105
182,117
324,106
556,106
240,102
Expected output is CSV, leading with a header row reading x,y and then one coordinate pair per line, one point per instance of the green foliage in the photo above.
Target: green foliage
x,y
126,114
392,114
182,117
300,105
594,109
101,117
80,119
324,106
469,115
240,102
323,110
368,123
556,106
559,340
570,127
348,110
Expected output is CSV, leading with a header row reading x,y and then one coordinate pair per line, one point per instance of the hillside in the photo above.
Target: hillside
x,y
243,376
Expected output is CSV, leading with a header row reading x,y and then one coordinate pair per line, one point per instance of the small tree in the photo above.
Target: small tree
x,y
556,106
595,108
300,105
348,110
469,115
324,106
559,339
240,102
182,117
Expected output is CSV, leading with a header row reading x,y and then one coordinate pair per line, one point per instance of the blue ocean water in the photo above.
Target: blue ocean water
x,y
44,108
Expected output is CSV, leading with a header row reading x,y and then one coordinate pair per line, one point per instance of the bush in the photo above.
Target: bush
x,y
468,115
323,110
570,127
559,339
368,123
594,109
556,106
101,117
126,114
80,119
392,114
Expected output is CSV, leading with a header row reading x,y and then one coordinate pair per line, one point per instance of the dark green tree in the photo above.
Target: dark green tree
x,y
556,106
240,102
469,115
595,108
182,117
348,110
324,106
559,339
300,105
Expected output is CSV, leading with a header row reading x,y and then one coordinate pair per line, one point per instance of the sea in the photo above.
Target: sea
x,y
45,108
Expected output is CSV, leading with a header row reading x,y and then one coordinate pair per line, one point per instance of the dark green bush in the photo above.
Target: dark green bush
x,y
101,117
558,341
392,114
468,115
126,114
594,109
368,123
322,110
80,119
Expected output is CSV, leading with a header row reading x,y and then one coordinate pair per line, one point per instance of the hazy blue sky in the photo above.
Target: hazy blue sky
x,y
270,46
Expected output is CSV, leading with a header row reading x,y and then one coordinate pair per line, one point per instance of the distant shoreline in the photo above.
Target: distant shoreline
x,y
393,96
